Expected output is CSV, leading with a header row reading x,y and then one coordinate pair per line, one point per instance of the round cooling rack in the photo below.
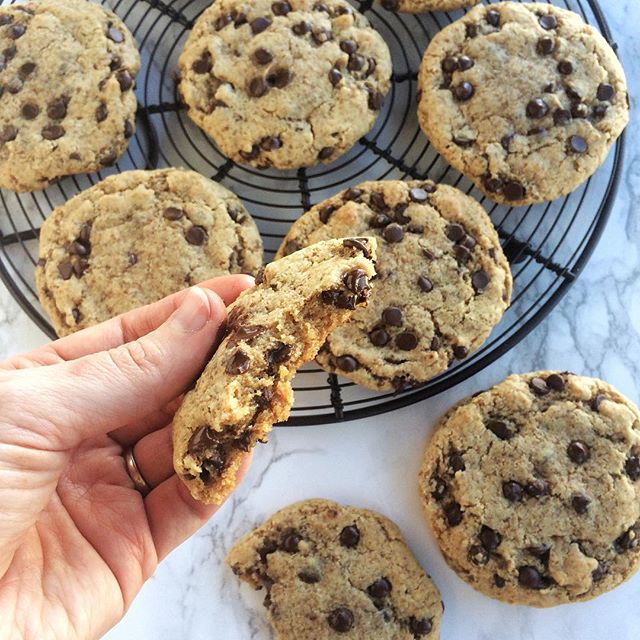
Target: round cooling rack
x,y
547,245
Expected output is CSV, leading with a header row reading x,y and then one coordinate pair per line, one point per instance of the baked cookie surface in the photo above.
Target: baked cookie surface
x,y
272,330
137,237
421,6
525,99
532,489
332,572
284,84
68,106
443,281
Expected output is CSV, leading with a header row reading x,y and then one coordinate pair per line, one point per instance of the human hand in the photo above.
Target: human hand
x,y
77,540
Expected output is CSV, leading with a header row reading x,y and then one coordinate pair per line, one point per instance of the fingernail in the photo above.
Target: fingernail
x,y
193,313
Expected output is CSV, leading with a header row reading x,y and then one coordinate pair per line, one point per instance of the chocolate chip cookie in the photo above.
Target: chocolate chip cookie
x,y
443,281
272,330
137,237
284,84
333,571
67,75
420,6
532,489
525,99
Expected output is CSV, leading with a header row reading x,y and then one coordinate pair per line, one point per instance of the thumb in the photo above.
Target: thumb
x,y
71,401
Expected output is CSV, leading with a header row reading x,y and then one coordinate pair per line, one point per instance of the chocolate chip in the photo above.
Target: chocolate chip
x,y
196,235
133,259
349,46
537,108
202,442
9,53
30,111
407,341
239,364
262,56
348,364
391,5
579,110
393,316
455,232
115,34
301,28
537,488
325,153
376,100
499,581
489,538
599,111
531,578
5,19
351,194
493,17
478,555
425,284
460,352
577,144
79,248
17,31
450,64
379,337
463,91
124,80
360,244
578,452
269,547
513,190
76,315
512,491
500,429
546,46
308,578
280,77
539,386
65,269
270,143
102,112
173,213
350,536
456,462
356,280
320,36
471,30
548,21
81,265
627,541
260,24
257,87
480,281
335,76
116,63
379,589
321,6
556,382
57,109
203,65
420,626
605,92
440,489
580,504
53,132
340,620
465,63
278,355
393,233
597,401
379,221
453,513
128,129
291,542
598,573
356,62
223,21
251,155
281,8
26,70
561,116
632,467
565,67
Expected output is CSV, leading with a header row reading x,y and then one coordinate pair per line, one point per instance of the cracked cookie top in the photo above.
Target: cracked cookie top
x,y
532,489
284,84
137,237
67,79
443,281
524,99
330,571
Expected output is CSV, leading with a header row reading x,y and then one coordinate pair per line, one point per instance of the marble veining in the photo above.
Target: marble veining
x,y
373,463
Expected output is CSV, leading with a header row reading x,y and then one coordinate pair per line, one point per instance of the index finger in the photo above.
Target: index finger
x,y
125,328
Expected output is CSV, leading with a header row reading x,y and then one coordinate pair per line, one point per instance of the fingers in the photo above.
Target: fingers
x,y
131,433
70,401
174,515
125,328
154,456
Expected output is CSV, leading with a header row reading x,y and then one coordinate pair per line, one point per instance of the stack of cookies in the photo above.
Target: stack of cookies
x,y
387,283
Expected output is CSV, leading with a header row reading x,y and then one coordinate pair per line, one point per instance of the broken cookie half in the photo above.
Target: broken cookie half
x,y
272,329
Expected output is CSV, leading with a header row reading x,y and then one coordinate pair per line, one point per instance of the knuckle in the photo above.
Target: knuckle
x,y
140,357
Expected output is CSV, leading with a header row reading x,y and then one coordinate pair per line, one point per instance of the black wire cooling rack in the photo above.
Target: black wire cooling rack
x,y
547,245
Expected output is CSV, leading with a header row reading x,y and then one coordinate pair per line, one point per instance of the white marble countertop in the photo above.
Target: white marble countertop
x,y
373,463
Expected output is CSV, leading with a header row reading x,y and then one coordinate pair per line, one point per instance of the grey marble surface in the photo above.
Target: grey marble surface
x,y
373,463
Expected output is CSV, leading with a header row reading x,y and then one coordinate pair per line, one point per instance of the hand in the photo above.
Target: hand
x,y
77,541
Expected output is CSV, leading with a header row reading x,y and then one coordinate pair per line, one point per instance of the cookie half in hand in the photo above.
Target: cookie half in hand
x,y
331,570
272,330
